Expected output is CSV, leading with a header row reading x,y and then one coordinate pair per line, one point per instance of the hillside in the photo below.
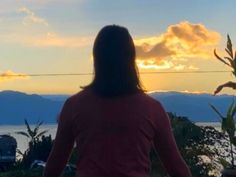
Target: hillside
x,y
194,106
16,106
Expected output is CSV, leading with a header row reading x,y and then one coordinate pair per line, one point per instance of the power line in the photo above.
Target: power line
x,y
184,72
87,74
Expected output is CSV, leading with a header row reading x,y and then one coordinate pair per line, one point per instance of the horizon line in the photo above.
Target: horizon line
x,y
148,92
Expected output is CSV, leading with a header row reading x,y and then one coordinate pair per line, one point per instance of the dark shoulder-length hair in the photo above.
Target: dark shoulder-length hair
x,y
115,70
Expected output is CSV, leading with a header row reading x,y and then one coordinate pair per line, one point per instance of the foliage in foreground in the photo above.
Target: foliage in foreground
x,y
32,134
227,122
230,61
39,150
39,146
193,141
196,144
228,127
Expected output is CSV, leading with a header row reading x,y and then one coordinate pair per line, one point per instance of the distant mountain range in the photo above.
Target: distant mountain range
x,y
194,106
17,106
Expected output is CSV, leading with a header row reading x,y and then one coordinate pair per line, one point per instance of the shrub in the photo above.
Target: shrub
x,y
194,143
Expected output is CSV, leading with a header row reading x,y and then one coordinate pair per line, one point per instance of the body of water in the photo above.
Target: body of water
x,y
22,141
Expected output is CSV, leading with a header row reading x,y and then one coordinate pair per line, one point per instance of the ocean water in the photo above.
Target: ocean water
x,y
22,142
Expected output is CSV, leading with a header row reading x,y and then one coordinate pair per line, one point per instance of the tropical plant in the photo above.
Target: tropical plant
x,y
38,148
228,127
230,61
32,134
195,144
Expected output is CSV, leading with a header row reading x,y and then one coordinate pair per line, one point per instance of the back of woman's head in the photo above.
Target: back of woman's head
x,y
114,63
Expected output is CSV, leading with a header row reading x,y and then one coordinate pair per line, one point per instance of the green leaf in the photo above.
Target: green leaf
x,y
37,127
217,112
19,152
234,141
30,132
23,133
224,125
230,109
41,134
234,111
221,59
230,121
231,61
230,54
229,46
230,126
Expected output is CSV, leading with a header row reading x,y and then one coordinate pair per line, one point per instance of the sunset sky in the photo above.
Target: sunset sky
x,y
56,36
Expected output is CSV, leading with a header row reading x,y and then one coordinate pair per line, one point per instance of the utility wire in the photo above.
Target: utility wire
x,y
87,74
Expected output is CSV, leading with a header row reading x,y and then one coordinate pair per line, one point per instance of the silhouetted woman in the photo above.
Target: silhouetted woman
x,y
113,122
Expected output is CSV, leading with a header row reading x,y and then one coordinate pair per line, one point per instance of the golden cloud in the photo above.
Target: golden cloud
x,y
152,64
180,42
10,75
179,67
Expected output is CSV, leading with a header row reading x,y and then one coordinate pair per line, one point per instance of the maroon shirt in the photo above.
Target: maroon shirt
x,y
114,137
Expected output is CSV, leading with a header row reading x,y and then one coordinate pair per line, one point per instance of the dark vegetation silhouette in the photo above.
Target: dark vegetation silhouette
x,y
196,144
227,121
228,127
39,145
193,141
230,61
32,134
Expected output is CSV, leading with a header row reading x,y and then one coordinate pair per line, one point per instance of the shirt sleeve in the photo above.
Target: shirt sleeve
x,y
165,146
62,145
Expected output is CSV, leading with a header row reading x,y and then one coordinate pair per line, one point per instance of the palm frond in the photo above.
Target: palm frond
x,y
36,129
230,109
19,152
229,53
234,111
217,112
229,49
29,130
224,125
219,58
37,126
23,133
41,134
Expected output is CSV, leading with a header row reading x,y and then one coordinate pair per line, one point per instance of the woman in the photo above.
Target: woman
x,y
113,122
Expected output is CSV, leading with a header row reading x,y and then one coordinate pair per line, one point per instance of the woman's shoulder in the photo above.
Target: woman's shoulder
x,y
150,99
79,96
